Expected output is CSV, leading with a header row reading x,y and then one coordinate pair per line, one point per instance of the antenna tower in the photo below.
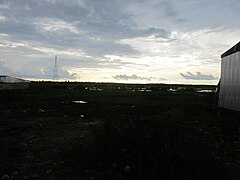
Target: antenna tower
x,y
55,70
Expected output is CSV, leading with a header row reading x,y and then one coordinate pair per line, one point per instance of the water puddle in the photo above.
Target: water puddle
x,y
205,91
79,102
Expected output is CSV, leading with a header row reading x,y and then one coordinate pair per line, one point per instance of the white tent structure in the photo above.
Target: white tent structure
x,y
12,83
229,96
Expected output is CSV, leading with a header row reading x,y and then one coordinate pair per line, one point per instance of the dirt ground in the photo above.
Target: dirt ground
x,y
76,132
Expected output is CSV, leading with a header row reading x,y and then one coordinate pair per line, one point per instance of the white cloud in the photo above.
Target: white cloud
x,y
192,48
2,18
56,25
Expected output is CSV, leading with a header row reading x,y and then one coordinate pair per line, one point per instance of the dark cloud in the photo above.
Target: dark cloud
x,y
198,76
103,20
23,22
19,30
132,77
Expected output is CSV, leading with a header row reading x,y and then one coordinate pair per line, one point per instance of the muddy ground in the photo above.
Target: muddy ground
x,y
82,131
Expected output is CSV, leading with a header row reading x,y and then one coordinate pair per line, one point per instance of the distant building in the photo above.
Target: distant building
x,y
12,83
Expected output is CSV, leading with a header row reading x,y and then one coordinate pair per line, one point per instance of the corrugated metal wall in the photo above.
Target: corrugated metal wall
x,y
229,96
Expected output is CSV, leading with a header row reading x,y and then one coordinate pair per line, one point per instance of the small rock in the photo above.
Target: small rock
x,y
167,146
91,178
35,176
5,176
151,158
114,165
119,176
49,171
41,111
127,169
15,174
134,166
87,171
25,177
124,150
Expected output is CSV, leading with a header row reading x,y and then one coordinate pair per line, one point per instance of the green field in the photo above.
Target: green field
x,y
114,131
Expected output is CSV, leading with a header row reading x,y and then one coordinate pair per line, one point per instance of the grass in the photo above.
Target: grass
x,y
118,134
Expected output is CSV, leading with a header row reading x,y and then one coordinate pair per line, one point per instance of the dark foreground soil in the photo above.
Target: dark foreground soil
x,y
113,134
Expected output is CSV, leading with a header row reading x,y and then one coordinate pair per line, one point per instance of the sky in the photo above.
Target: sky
x,y
124,41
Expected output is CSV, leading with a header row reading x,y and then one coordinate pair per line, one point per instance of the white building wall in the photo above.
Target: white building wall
x,y
12,83
8,79
229,96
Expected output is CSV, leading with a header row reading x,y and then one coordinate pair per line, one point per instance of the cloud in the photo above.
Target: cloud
x,y
62,74
47,73
149,32
162,79
56,25
145,35
95,26
132,77
38,71
69,24
3,69
198,76
2,18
